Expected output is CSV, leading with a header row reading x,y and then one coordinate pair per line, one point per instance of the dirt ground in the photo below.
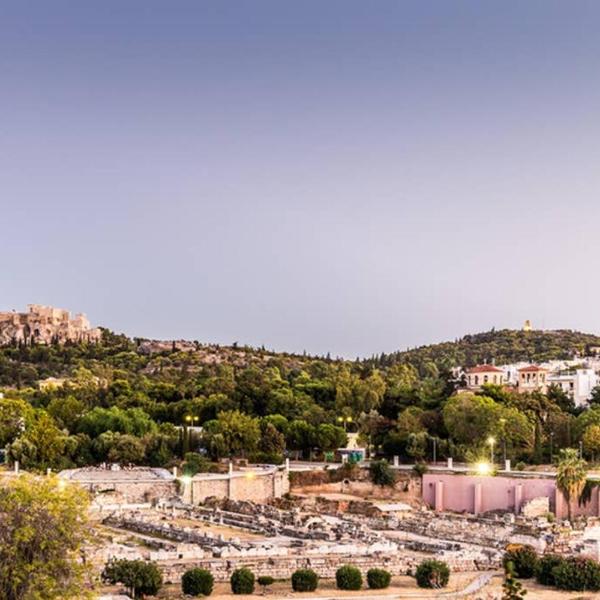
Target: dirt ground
x,y
402,587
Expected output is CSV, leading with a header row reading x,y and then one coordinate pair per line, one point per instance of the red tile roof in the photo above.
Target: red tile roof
x,y
532,369
484,369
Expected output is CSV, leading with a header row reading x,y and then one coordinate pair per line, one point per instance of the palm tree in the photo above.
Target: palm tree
x,y
571,475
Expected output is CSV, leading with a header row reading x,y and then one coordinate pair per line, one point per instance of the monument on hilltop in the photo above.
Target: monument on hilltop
x,y
46,325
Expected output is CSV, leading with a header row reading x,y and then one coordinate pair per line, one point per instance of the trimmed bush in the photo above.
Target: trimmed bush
x,y
432,574
524,559
265,581
545,568
378,579
381,473
304,580
577,574
348,578
242,581
197,582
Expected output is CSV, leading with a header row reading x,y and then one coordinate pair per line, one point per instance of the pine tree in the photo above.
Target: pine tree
x,y
512,589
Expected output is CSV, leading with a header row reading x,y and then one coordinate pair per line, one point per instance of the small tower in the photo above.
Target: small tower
x,y
527,325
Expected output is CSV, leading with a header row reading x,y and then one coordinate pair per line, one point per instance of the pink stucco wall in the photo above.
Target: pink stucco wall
x,y
497,493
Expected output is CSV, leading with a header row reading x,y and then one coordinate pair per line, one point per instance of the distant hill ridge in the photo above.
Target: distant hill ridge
x,y
497,346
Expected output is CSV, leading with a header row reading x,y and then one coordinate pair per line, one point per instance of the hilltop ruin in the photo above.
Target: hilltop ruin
x,y
46,325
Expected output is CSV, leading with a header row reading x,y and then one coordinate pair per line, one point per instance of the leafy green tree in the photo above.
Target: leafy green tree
x,y
131,420
381,473
300,436
241,432
15,416
591,440
272,441
139,577
470,418
66,411
42,446
433,574
44,527
330,437
571,475
126,449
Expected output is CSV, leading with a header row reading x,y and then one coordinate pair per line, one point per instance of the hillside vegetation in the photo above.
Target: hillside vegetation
x,y
502,347
129,401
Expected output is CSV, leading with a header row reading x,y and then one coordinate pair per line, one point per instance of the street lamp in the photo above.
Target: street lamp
x,y
503,424
551,447
491,441
345,421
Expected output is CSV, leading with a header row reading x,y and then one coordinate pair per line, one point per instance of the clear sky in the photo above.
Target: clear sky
x,y
328,175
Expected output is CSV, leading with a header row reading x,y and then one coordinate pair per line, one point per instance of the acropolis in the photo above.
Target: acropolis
x,y
46,325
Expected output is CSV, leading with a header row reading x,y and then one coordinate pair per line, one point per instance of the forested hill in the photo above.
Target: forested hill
x,y
25,365
503,346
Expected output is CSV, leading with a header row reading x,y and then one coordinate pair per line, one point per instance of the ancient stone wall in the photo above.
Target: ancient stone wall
x,y
259,485
325,566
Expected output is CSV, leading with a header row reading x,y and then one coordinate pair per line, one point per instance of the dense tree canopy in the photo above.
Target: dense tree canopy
x,y
118,401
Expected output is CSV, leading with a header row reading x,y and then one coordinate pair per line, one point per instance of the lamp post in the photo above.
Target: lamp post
x,y
345,421
190,420
491,441
551,447
503,424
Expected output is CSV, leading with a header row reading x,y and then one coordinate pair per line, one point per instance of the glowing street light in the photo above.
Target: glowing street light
x,y
345,421
483,468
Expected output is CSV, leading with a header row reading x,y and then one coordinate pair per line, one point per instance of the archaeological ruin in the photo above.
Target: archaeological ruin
x,y
46,325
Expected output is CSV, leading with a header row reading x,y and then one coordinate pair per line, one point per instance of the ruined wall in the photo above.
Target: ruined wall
x,y
254,486
325,566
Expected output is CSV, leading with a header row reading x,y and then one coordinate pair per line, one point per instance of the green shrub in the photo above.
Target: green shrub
x,y
420,468
520,466
348,578
524,559
577,574
265,581
381,473
432,574
378,579
197,582
304,580
544,572
141,578
242,581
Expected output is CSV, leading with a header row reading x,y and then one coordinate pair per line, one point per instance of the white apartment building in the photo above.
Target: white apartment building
x,y
578,385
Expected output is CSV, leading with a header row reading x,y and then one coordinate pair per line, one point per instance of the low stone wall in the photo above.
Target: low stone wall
x,y
325,566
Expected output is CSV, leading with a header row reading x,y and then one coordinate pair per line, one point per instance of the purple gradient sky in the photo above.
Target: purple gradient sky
x,y
338,175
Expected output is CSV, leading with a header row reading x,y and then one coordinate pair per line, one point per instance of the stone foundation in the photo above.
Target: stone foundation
x,y
325,567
